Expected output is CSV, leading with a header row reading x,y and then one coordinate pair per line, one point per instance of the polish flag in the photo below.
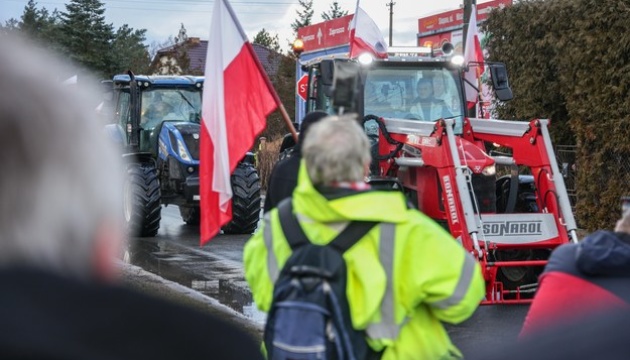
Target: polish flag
x,y
237,99
365,36
473,56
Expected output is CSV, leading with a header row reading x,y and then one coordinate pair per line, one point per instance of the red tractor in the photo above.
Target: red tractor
x,y
493,184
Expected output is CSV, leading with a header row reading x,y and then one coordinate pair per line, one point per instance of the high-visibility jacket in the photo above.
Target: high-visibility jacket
x,y
405,276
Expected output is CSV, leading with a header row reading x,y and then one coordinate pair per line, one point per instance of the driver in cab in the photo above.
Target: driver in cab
x,y
426,107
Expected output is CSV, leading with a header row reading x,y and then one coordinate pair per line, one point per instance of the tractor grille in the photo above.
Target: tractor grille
x,y
485,192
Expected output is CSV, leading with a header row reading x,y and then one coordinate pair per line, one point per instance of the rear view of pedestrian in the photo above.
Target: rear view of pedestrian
x,y
404,274
61,231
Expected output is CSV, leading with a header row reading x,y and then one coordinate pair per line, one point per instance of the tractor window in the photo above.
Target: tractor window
x,y
424,94
170,104
123,109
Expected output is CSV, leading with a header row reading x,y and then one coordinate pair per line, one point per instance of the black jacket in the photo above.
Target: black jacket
x,y
283,179
45,316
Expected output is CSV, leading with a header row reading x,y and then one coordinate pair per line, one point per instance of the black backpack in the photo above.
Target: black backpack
x,y
309,316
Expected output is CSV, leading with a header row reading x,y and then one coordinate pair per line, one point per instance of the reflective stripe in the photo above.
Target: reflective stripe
x,y
462,285
387,328
272,263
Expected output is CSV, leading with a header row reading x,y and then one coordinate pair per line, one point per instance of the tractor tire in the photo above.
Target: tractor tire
x,y
190,214
141,203
245,200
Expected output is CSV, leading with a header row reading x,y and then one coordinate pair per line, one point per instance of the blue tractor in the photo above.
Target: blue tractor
x,y
157,123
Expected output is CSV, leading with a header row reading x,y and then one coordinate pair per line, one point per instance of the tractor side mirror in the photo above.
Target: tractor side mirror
x,y
326,76
327,72
500,81
345,87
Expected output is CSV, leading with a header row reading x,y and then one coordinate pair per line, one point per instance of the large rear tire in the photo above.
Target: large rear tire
x,y
245,200
141,205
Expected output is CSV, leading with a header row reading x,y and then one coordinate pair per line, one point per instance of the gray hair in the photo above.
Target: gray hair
x,y
61,177
336,150
623,224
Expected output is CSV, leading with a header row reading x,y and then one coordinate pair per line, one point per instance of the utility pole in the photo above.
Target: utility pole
x,y
391,17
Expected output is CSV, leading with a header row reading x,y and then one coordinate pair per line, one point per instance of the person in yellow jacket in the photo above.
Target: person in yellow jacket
x,y
405,277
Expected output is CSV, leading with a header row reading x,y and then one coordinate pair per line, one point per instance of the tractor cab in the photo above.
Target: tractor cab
x,y
157,121
159,99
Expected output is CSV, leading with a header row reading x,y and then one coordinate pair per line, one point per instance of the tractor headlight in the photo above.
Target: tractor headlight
x,y
489,170
458,60
183,153
365,59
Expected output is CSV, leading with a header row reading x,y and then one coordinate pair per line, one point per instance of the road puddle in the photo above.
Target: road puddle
x,y
215,278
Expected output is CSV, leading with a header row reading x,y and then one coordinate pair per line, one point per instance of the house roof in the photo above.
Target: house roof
x,y
197,50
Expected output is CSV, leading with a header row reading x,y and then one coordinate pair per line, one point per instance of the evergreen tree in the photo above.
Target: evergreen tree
x,y
8,27
305,16
40,25
265,39
86,38
334,12
31,20
129,51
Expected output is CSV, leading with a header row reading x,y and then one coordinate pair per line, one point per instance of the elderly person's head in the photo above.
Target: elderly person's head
x,y
61,182
336,150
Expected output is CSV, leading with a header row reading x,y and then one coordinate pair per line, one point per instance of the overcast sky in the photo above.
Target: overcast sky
x,y
162,18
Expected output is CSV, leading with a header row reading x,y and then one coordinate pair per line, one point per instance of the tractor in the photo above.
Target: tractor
x,y
157,123
493,184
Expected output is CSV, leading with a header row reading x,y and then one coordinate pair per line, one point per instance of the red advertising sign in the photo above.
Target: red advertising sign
x,y
326,34
454,19
302,86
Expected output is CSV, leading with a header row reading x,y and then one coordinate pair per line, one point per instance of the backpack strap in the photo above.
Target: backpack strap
x,y
290,225
296,237
354,232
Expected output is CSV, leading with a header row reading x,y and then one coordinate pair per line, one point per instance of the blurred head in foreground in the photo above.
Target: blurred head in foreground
x,y
60,185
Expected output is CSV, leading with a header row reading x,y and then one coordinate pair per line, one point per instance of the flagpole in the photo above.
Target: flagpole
x,y
283,111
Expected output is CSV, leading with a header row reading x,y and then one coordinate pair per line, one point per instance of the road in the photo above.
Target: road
x,y
216,271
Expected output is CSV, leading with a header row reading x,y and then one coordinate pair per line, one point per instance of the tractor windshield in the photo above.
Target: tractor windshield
x,y
169,104
423,94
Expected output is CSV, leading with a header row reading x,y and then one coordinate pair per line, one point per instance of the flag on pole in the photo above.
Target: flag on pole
x,y
473,56
237,98
365,36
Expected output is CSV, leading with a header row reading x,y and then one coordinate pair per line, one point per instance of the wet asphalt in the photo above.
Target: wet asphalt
x,y
210,278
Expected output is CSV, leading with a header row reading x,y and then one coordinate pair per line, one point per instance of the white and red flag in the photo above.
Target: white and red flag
x,y
237,99
365,36
473,56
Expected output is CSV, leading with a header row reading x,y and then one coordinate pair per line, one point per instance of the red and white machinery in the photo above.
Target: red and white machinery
x,y
493,184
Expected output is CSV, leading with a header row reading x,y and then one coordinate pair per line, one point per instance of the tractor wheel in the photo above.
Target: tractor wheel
x,y
245,200
191,215
141,205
